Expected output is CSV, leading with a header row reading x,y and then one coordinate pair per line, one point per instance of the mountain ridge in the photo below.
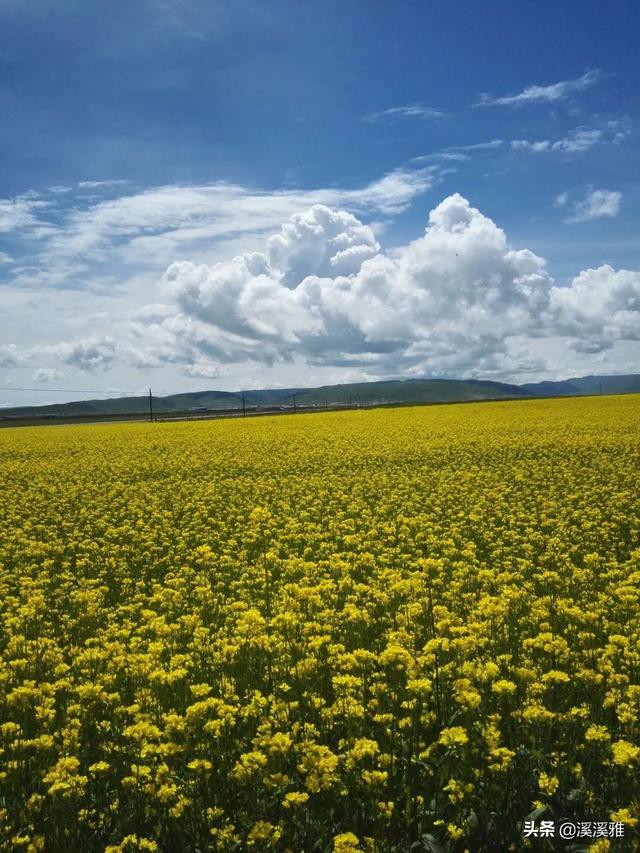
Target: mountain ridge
x,y
398,391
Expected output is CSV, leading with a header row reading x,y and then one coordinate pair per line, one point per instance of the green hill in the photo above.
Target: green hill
x,y
398,391
587,385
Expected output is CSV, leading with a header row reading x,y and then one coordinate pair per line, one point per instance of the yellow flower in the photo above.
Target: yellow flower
x,y
454,736
295,798
548,784
624,816
346,842
503,686
597,733
602,845
454,831
625,753
386,809
263,831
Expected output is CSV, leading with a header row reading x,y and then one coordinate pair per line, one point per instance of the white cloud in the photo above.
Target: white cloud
x,y
478,146
450,297
46,374
598,204
203,369
19,212
600,307
9,355
92,185
88,354
322,298
561,199
152,227
5,258
576,141
543,94
537,147
409,111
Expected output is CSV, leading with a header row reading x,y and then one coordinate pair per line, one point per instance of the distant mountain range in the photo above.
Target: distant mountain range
x,y
355,393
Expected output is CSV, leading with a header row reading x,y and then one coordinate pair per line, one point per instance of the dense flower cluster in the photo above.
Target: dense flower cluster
x,y
359,631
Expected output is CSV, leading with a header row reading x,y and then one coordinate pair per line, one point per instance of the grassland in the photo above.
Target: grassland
x,y
382,630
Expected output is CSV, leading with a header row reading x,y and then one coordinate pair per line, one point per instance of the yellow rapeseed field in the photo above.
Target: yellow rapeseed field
x,y
391,630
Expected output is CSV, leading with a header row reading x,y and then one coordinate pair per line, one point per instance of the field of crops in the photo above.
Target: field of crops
x,y
379,631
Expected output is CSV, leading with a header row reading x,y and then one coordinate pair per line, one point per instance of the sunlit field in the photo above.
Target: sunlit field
x,y
389,630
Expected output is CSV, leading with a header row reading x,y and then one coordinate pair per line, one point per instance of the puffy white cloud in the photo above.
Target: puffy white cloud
x,y
320,242
597,205
9,355
203,369
543,94
600,307
88,354
457,301
325,292
46,374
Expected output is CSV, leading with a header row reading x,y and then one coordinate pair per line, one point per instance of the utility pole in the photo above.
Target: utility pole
x,y
294,403
150,406
244,408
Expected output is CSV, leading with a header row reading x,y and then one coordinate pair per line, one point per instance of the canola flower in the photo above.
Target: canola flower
x,y
362,631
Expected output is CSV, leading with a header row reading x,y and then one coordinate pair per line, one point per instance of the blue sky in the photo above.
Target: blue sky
x,y
146,145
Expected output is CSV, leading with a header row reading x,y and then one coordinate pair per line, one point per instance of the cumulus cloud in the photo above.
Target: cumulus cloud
x,y
324,291
598,204
543,94
322,295
46,374
9,355
320,242
600,307
203,369
88,354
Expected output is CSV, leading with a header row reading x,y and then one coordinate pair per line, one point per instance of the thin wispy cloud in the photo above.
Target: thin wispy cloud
x,y
92,185
459,152
543,94
419,111
148,229
19,212
576,141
